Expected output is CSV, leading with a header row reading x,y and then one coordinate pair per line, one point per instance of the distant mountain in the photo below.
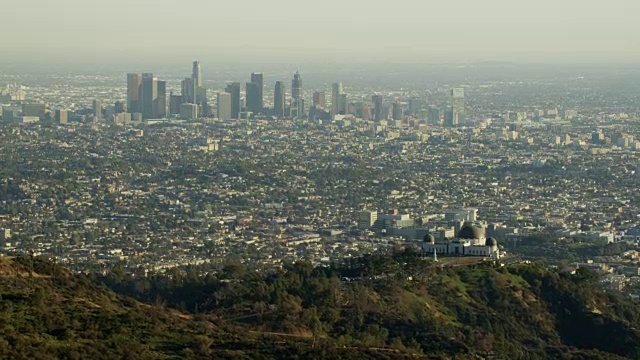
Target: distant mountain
x,y
374,307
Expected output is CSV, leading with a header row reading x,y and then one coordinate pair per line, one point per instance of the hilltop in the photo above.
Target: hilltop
x,y
378,306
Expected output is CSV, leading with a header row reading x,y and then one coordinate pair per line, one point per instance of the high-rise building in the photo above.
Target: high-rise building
x,y
258,78
97,110
366,219
397,112
377,107
296,86
201,96
189,111
189,90
336,91
149,95
61,116
297,104
451,117
134,84
319,100
234,90
34,110
366,112
161,101
415,106
458,105
197,74
224,106
253,94
119,107
433,115
279,100
174,104
343,104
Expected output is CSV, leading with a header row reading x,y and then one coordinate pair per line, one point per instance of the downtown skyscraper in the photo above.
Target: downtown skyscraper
x,y
234,90
134,83
149,94
197,74
297,103
377,107
279,100
319,100
458,106
224,106
258,79
253,97
339,101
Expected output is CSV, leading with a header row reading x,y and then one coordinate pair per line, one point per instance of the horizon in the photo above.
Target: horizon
x,y
91,33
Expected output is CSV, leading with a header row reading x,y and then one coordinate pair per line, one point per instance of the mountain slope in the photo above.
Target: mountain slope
x,y
375,307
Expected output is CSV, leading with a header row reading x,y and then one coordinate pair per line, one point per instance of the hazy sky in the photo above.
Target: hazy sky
x,y
273,31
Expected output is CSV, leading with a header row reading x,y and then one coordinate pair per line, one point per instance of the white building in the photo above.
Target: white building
x,y
471,241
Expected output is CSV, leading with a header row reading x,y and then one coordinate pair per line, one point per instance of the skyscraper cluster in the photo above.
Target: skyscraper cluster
x,y
193,90
146,96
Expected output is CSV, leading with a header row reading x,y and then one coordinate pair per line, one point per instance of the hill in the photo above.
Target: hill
x,y
374,307
48,313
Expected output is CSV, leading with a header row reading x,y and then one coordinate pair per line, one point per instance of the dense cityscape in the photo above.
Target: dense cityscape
x,y
157,175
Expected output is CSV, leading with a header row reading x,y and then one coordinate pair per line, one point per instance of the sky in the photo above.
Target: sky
x,y
329,31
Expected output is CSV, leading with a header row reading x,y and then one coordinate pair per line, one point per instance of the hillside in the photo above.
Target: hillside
x,y
377,307
48,313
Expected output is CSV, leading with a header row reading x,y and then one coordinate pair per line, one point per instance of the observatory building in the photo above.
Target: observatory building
x,y
471,241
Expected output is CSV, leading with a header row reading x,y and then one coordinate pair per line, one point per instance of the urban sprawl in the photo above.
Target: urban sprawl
x,y
156,174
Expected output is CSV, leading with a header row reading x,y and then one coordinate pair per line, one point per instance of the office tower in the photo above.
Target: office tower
x,y
197,74
297,105
343,104
355,108
97,110
189,111
224,106
279,100
62,116
433,115
201,96
119,107
377,107
174,104
149,95
397,112
34,110
415,106
366,219
234,90
189,90
134,84
258,78
161,101
339,102
597,137
336,91
319,100
451,118
253,94
296,86
366,112
458,104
